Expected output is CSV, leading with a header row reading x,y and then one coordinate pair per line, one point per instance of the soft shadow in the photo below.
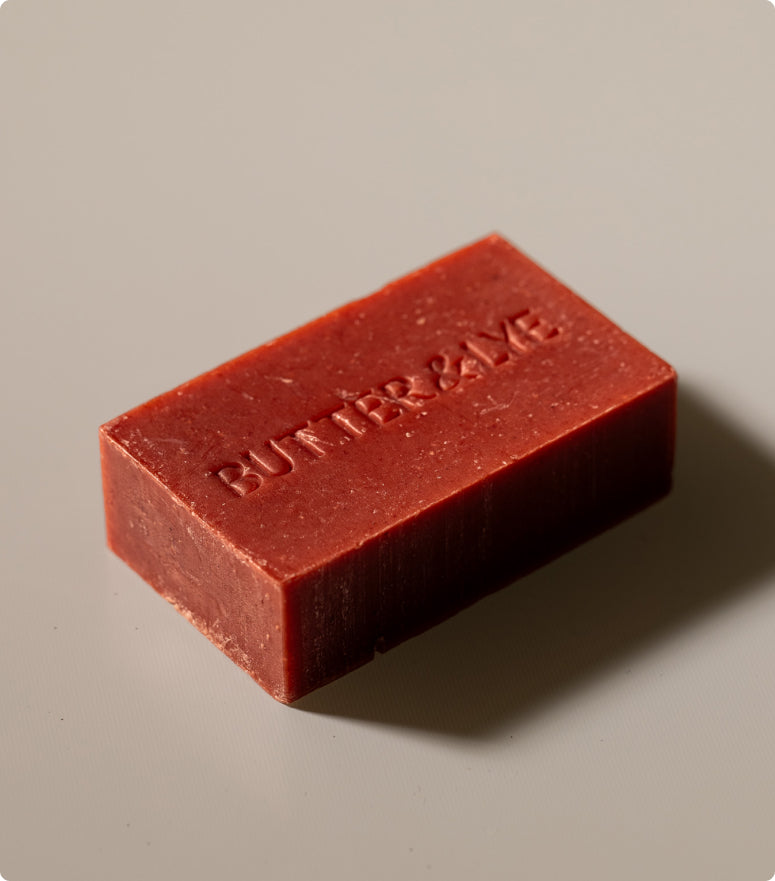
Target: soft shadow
x,y
499,660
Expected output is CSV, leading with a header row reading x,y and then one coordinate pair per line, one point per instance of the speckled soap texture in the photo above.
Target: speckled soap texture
x,y
344,487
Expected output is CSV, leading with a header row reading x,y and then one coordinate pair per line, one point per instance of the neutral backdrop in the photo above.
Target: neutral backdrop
x,y
182,181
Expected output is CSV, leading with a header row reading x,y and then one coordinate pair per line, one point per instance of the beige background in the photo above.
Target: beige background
x,y
181,181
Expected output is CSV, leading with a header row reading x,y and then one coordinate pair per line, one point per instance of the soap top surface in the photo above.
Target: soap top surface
x,y
309,446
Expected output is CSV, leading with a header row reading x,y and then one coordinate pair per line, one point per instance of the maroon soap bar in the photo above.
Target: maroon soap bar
x,y
346,486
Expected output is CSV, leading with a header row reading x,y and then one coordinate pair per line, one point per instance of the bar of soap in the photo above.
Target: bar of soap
x,y
348,485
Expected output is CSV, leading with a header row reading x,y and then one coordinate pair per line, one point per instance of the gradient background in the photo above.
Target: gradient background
x,y
180,182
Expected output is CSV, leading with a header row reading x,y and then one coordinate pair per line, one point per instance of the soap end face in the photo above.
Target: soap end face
x,y
211,583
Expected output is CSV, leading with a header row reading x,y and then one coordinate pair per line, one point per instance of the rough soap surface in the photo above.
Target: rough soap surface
x,y
348,485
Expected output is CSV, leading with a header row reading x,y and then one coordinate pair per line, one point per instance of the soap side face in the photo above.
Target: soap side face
x,y
390,462
427,569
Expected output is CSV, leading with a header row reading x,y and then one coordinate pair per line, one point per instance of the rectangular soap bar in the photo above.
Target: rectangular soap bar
x,y
346,486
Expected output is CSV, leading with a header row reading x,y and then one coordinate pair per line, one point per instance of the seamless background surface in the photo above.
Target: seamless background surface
x,y
180,182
